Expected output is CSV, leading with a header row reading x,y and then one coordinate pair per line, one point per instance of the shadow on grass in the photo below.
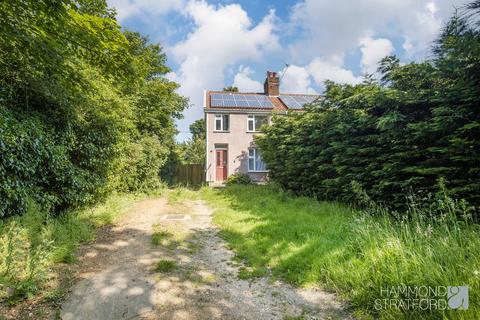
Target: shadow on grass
x,y
293,236
308,242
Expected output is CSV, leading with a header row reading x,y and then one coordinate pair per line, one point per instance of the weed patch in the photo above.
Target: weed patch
x,y
168,236
250,273
165,266
161,237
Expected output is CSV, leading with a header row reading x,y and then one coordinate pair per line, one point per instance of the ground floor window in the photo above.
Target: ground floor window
x,y
255,162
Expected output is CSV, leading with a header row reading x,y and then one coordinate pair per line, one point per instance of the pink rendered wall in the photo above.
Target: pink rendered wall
x,y
238,141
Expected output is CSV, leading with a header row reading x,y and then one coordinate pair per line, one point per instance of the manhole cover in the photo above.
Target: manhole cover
x,y
175,217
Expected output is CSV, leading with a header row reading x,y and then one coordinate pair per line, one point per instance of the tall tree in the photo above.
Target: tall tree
x,y
230,89
84,107
197,129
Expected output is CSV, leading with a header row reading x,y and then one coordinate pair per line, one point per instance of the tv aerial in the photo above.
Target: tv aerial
x,y
284,70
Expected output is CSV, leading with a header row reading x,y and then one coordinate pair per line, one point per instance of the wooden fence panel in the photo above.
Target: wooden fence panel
x,y
190,174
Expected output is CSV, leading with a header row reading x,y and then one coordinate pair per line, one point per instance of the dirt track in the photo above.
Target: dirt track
x,y
118,279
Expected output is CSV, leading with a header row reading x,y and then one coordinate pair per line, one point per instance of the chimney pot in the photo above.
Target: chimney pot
x,y
272,84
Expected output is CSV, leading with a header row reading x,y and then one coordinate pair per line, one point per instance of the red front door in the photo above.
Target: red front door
x,y
221,167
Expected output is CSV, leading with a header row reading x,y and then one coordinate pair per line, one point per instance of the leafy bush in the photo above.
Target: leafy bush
x,y
239,178
33,166
142,164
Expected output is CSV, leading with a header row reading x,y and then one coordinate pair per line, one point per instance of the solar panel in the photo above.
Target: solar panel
x,y
262,98
241,103
217,103
240,100
296,101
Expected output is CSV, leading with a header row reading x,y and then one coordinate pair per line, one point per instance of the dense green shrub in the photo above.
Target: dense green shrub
x,y
419,122
27,148
239,178
142,165
84,106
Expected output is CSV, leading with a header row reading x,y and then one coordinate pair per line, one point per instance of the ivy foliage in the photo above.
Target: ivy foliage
x,y
84,106
416,123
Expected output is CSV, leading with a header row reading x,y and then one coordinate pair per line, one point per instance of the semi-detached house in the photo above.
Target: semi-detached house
x,y
233,119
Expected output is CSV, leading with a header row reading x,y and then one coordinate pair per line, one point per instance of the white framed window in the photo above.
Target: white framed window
x,y
255,162
222,122
255,122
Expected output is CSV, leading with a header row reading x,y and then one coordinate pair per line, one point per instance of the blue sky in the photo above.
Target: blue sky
x,y
212,44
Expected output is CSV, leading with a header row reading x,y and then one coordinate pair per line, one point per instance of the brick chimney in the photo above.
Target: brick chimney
x,y
272,84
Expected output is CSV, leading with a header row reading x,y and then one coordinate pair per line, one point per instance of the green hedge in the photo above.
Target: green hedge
x,y
395,135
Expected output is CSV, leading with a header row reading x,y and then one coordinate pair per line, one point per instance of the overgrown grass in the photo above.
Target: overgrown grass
x,y
179,194
32,245
356,254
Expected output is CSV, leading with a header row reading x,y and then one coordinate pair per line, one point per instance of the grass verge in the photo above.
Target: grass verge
x,y
178,195
37,248
307,242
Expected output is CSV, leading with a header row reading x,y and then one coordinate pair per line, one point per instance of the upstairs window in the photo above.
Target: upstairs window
x,y
222,122
255,162
255,122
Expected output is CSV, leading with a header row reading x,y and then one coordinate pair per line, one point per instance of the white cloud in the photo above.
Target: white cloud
x,y
407,45
326,33
373,50
144,8
322,70
244,83
225,35
222,37
296,80
424,26
328,28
